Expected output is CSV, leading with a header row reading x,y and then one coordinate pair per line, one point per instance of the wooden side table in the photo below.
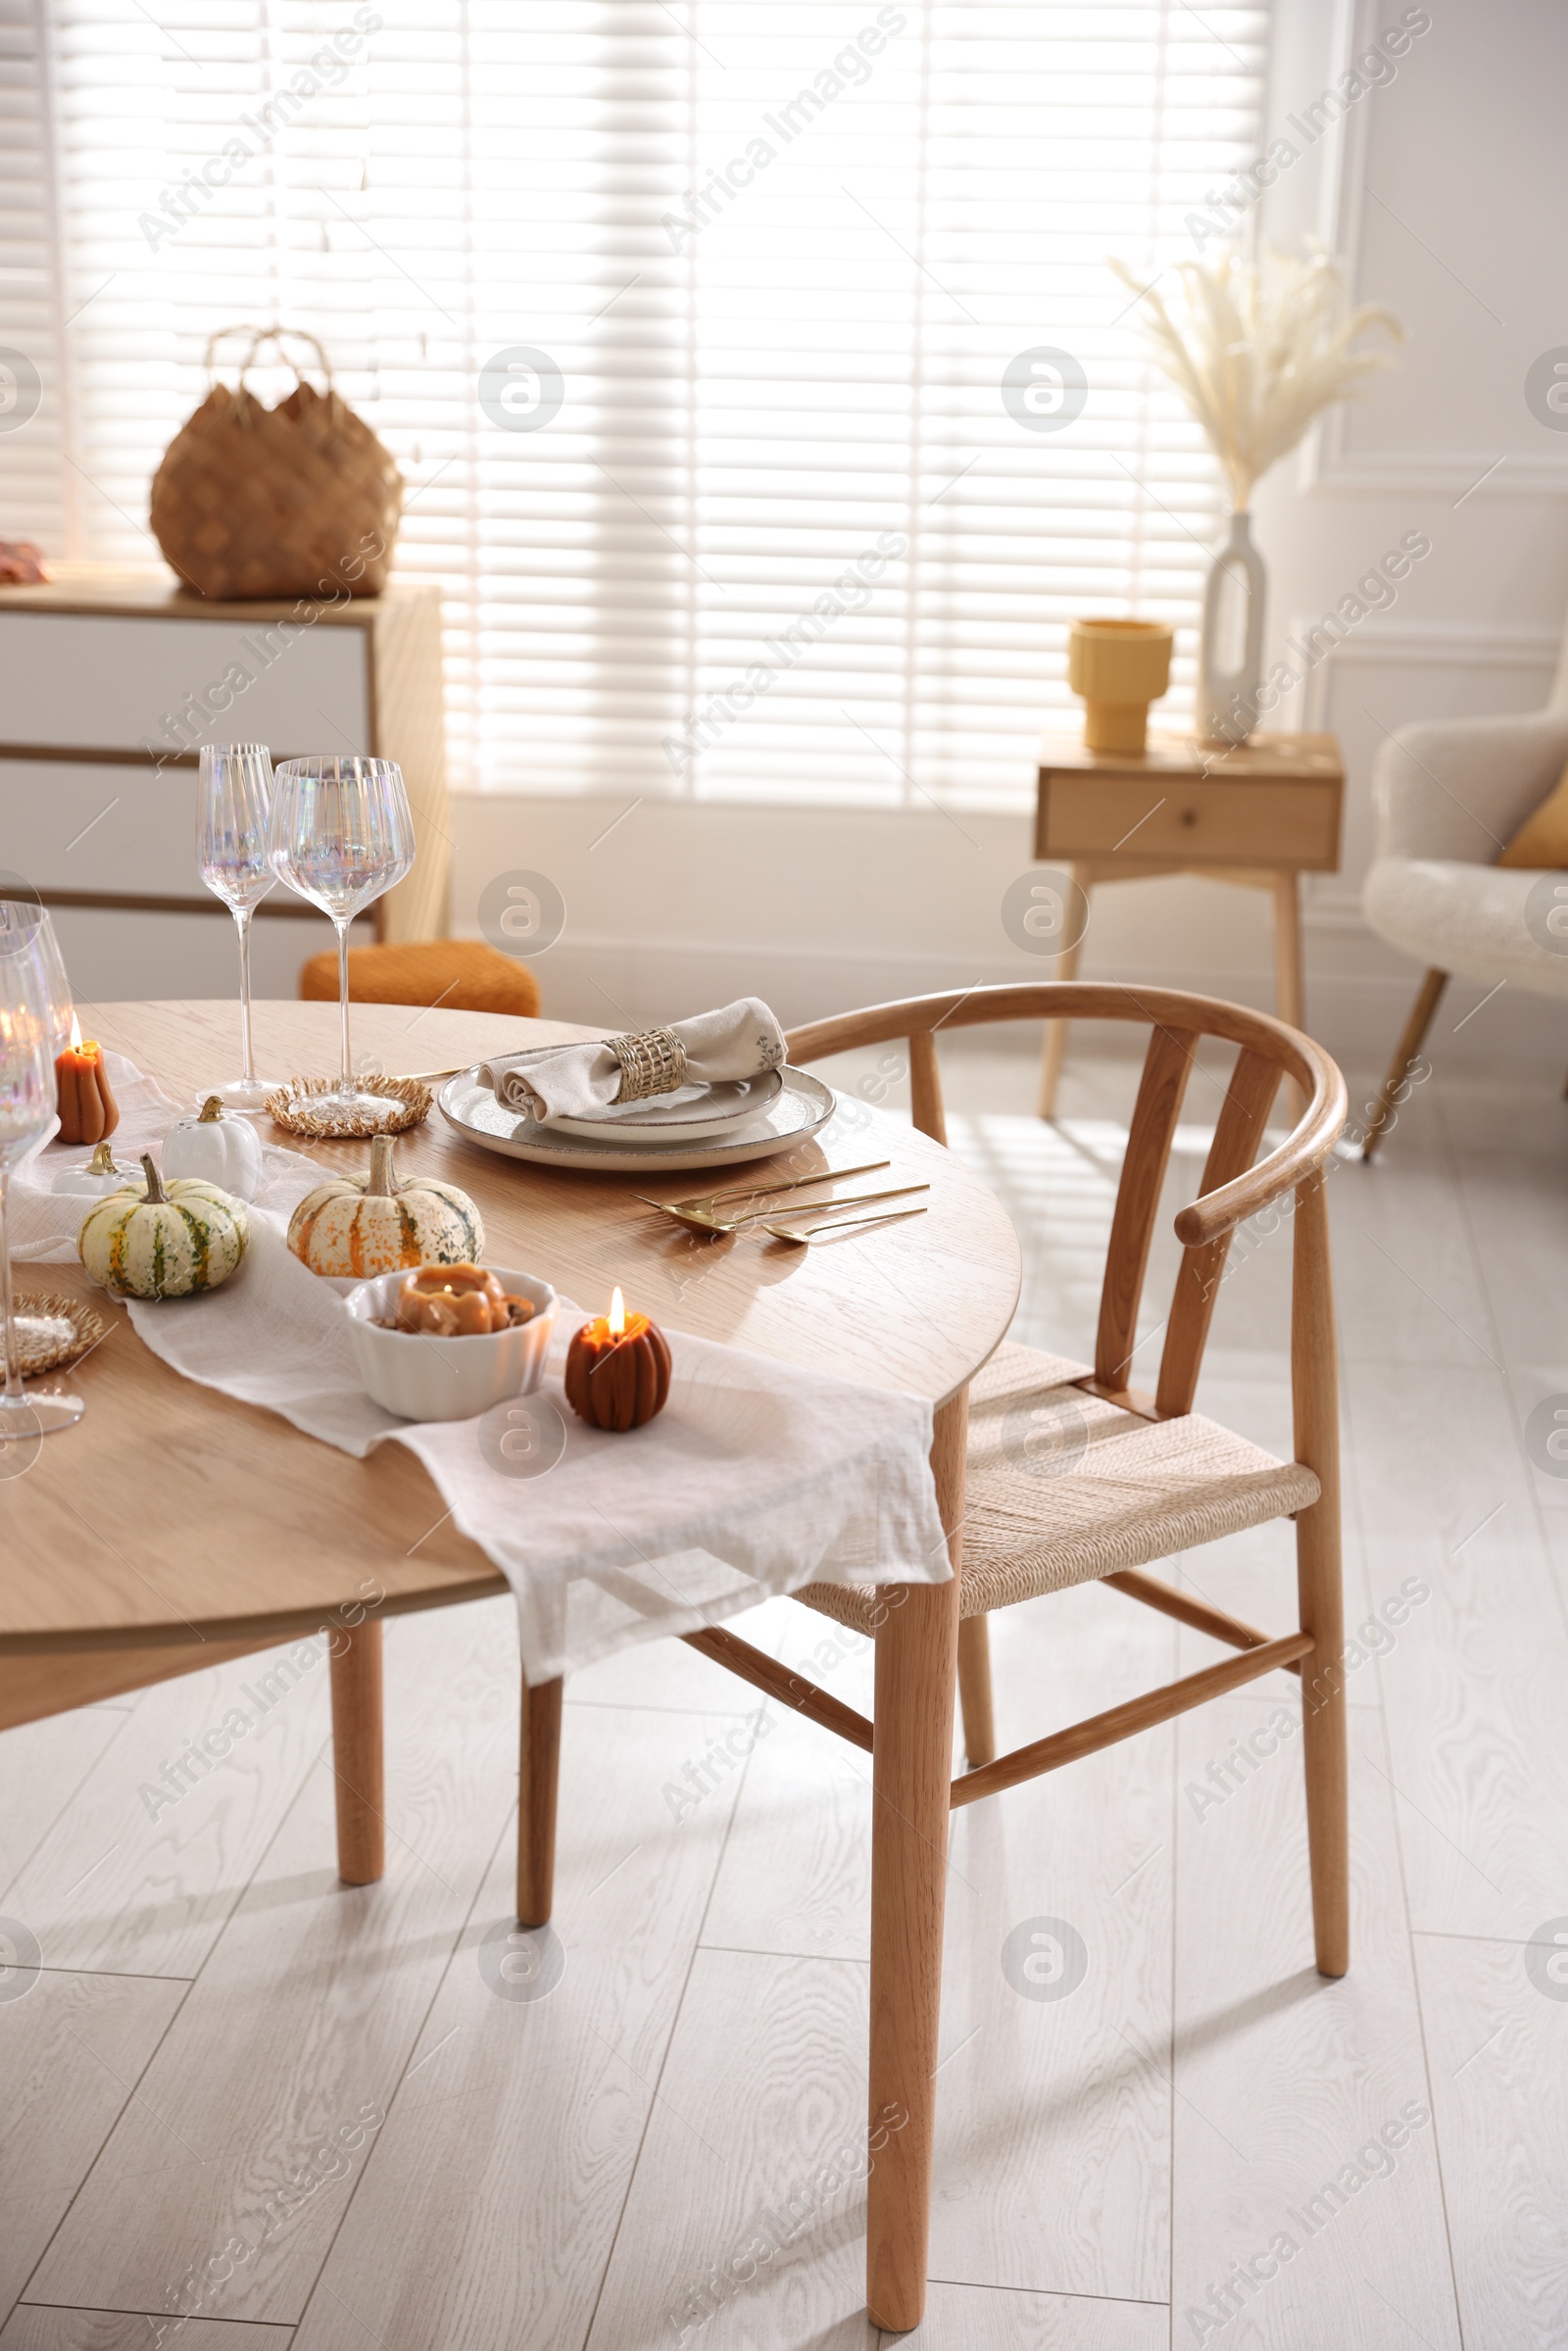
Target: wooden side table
x,y
1258,815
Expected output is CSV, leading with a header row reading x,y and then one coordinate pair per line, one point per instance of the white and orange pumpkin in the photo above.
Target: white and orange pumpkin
x,y
378,1222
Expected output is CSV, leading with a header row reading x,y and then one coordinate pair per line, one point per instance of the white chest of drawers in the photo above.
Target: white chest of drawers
x,y
109,681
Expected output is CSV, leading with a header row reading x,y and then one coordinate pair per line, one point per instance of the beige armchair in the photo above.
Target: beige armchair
x,y
1450,794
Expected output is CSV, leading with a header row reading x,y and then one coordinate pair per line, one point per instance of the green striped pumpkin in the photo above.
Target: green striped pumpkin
x,y
378,1223
158,1240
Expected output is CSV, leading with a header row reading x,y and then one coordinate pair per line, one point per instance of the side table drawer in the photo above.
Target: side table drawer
x,y
1208,821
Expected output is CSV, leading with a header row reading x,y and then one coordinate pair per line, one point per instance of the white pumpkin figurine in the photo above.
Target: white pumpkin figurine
x,y
377,1223
97,1179
157,1240
215,1149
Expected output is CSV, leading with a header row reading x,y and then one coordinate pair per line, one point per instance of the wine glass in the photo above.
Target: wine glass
x,y
341,835
24,922
233,796
29,1015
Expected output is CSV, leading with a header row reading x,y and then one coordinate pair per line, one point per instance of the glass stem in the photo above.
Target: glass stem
x,y
346,1083
14,1392
242,918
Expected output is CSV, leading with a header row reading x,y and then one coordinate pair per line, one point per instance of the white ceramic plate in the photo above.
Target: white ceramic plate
x,y
802,1104
694,1113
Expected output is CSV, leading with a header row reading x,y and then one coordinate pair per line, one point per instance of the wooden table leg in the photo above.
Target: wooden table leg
x,y
539,1774
911,1764
357,1762
1055,1050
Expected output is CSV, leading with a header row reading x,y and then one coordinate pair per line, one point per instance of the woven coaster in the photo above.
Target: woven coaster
x,y
304,1107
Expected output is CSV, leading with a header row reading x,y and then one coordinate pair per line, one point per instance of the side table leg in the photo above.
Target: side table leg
x,y
911,1767
357,1758
1054,1051
1290,990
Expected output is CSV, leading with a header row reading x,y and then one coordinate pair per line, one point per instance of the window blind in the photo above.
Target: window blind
x,y
691,325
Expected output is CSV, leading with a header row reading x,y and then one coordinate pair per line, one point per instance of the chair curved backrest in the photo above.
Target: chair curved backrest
x,y
1233,1186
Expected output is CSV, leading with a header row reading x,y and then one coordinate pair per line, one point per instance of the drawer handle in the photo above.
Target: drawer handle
x,y
1189,816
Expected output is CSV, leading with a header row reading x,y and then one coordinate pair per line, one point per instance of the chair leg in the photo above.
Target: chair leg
x,y
974,1691
911,1764
357,1754
538,1775
1404,1053
1318,1585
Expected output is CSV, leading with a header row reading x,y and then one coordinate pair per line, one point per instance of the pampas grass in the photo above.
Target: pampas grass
x,y
1259,350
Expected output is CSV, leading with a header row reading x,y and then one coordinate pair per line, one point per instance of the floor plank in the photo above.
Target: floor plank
x,y
1282,2078
1500,2070
488,2210
746,2222
971,2317
1052,2120
261,2108
1474,1691
137,1879
72,2053
41,1766
34,2328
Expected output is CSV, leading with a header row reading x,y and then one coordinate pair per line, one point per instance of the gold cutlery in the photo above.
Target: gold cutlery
x,y
697,1222
829,1175
821,1232
700,1209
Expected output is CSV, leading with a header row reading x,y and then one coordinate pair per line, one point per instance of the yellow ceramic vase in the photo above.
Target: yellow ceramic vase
x,y
1120,667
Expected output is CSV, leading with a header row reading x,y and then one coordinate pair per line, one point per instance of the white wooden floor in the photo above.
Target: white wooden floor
x,y
300,2115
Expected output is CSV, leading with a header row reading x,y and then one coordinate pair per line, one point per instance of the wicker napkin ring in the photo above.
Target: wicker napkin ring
x,y
654,1062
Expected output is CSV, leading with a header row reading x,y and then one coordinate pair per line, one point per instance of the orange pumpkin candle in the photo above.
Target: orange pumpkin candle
x,y
88,1111
618,1369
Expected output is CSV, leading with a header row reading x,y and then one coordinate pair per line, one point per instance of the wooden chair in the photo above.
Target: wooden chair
x,y
1153,1477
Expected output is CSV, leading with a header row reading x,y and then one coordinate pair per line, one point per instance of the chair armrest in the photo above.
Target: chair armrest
x,y
1293,1162
1460,787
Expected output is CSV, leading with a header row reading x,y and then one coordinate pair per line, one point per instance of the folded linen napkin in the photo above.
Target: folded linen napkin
x,y
574,1081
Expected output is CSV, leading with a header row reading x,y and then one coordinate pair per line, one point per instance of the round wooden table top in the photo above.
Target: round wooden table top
x,y
172,1513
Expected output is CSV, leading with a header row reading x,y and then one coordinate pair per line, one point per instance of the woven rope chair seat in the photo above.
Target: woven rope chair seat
x,y
461,975
1063,1488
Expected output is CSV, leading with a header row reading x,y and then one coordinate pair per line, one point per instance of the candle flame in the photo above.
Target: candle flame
x,y
75,1034
617,1315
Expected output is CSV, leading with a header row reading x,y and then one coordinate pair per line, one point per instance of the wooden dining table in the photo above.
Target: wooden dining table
x,y
175,1526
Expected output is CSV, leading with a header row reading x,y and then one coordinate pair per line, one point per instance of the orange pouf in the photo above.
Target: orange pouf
x,y
461,975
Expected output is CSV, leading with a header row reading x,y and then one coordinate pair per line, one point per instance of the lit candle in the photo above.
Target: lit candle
x,y
88,1111
618,1369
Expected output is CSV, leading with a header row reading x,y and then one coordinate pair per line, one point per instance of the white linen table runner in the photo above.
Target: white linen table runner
x,y
755,1478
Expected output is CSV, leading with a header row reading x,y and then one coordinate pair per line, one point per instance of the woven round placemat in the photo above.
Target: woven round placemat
x,y
302,1107
55,1331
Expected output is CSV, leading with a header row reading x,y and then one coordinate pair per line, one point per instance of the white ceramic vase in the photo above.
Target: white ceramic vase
x,y
1230,653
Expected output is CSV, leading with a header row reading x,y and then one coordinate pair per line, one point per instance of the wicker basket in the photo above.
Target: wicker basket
x,y
298,500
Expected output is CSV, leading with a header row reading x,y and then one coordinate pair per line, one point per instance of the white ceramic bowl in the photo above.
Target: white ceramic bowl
x,y
421,1378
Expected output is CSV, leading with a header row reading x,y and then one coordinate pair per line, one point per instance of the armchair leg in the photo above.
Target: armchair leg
x,y
539,1773
974,1691
912,1766
1404,1053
